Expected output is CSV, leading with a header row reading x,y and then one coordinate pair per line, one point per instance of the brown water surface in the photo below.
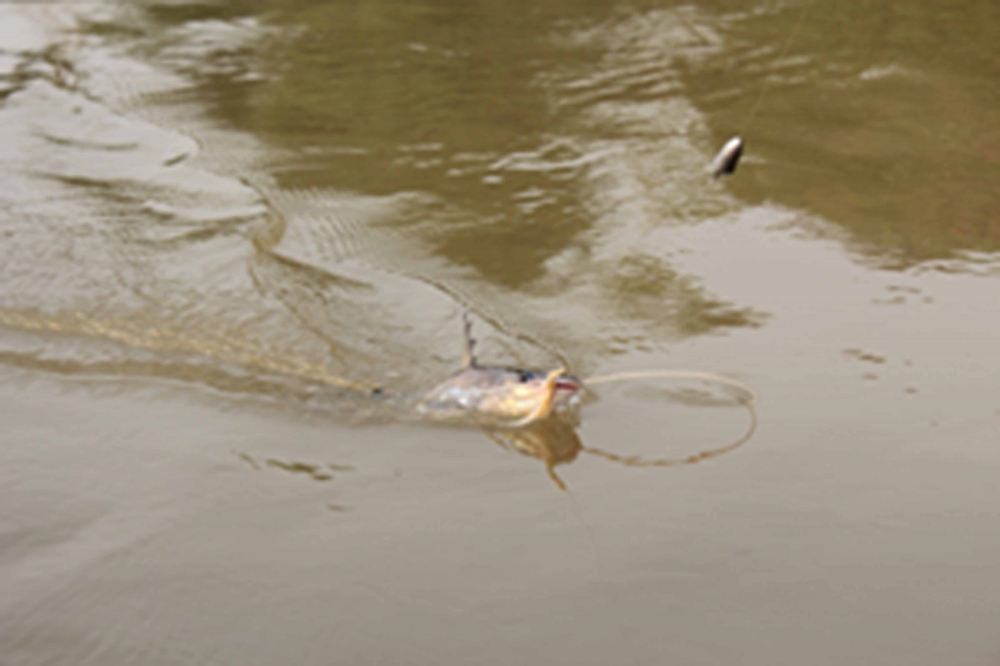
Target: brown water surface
x,y
223,224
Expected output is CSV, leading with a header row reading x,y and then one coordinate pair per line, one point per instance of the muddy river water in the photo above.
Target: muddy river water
x,y
222,224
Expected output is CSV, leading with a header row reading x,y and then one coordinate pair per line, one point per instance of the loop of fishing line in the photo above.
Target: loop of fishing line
x,y
637,375
748,401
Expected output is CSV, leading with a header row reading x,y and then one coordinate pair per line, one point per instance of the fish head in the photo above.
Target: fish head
x,y
521,391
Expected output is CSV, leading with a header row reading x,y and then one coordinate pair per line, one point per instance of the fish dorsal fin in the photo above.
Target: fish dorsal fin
x,y
469,343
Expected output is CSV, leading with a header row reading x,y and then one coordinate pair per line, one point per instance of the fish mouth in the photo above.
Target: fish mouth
x,y
567,383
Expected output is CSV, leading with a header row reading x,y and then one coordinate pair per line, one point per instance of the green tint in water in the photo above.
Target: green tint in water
x,y
382,97
292,202
552,148
484,113
883,117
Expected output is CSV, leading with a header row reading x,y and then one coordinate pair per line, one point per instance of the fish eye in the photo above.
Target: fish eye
x,y
525,375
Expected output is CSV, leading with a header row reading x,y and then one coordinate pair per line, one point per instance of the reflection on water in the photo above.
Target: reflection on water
x,y
883,117
268,197
243,217
387,183
350,176
555,441
510,179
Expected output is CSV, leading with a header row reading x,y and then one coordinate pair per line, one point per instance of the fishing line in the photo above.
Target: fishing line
x,y
748,401
725,161
765,84
751,397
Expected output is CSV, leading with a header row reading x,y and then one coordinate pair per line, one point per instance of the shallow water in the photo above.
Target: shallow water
x,y
222,225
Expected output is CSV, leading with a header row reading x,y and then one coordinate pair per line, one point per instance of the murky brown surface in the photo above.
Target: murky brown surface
x,y
221,224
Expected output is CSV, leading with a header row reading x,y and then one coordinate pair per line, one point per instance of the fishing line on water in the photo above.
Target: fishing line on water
x,y
748,401
751,397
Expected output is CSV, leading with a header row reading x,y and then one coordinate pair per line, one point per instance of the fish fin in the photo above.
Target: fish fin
x,y
469,343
